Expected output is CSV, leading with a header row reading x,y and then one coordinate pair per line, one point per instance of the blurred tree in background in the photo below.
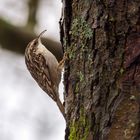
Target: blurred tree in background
x,y
33,7
26,112
16,38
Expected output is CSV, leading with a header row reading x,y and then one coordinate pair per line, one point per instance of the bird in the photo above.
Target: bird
x,y
45,69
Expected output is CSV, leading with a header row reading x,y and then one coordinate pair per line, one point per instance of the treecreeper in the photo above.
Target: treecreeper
x,y
45,69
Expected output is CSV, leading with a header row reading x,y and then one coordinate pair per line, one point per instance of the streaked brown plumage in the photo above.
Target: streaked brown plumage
x,y
45,69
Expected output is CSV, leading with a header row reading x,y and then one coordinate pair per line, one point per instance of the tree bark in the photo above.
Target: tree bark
x,y
102,74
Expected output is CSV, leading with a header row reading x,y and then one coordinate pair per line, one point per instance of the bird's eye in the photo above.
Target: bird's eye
x,y
35,43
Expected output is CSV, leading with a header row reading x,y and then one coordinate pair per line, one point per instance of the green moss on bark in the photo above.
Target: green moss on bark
x,y
80,129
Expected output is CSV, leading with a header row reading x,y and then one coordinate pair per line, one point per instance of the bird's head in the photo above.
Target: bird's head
x,y
37,40
34,44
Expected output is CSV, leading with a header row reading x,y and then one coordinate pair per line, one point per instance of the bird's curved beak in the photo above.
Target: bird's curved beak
x,y
39,36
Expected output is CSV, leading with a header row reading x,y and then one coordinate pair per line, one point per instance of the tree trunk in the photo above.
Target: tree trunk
x,y
102,74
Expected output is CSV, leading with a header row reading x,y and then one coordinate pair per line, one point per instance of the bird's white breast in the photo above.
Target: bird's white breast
x,y
50,58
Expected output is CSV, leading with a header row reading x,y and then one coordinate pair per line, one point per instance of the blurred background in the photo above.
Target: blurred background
x,y
26,112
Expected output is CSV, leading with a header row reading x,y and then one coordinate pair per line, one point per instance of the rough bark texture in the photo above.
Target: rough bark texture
x,y
102,75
